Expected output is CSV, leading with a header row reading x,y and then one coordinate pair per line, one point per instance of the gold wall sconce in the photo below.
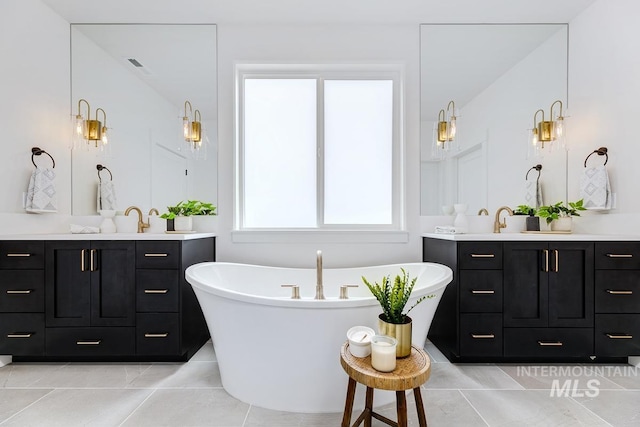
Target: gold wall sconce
x,y
192,126
444,132
552,129
91,129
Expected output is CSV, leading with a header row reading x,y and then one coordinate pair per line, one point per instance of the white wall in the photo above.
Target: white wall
x,y
34,98
316,44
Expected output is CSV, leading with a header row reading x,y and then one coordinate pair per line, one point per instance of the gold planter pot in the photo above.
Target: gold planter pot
x,y
401,332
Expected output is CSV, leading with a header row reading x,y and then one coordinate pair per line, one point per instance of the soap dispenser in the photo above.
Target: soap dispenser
x,y
533,222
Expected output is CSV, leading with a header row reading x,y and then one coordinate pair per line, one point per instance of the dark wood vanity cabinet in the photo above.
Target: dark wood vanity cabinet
x,y
537,300
101,299
617,298
22,298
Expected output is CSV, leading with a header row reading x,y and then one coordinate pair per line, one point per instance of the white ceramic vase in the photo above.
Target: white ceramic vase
x,y
460,222
107,225
183,223
562,224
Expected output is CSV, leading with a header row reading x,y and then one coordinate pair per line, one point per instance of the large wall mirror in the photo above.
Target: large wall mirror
x,y
498,76
141,76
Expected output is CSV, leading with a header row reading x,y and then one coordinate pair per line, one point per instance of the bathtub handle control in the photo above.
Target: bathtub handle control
x,y
295,291
344,291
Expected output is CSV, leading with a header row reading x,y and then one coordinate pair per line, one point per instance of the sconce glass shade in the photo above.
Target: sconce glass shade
x,y
548,135
444,133
88,130
192,130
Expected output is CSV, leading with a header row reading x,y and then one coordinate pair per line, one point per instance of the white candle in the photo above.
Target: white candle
x,y
383,353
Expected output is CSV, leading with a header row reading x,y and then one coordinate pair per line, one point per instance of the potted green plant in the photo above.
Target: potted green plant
x,y
182,212
532,223
559,215
393,296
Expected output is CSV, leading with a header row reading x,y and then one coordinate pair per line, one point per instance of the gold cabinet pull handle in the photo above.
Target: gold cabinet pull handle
x,y
550,344
614,292
18,255
620,255
620,336
96,342
20,335
557,261
486,292
483,336
156,255
156,291
19,292
546,260
164,335
92,266
483,256
82,260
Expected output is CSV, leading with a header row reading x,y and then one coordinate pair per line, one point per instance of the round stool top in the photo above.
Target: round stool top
x,y
410,372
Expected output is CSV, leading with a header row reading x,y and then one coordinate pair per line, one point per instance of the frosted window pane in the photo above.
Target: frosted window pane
x,y
358,151
280,153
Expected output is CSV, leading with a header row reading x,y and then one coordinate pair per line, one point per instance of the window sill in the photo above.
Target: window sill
x,y
319,236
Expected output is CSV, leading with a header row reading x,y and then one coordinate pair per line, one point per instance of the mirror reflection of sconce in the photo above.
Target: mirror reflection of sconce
x,y
90,130
549,130
192,126
445,131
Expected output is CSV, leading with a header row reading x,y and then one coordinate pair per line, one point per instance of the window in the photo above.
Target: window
x,y
318,150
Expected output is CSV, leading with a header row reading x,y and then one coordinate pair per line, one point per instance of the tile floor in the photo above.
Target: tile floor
x,y
190,394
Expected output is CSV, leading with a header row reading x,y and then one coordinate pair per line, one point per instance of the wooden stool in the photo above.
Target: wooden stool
x,y
410,373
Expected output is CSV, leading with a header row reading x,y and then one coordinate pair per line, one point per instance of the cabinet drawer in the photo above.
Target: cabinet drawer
x,y
617,335
21,254
22,334
157,254
548,342
157,290
21,291
480,255
481,335
617,291
87,342
480,291
617,255
158,334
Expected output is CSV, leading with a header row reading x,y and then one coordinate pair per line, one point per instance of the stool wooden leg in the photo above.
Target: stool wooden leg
x,y
348,406
422,419
401,406
368,407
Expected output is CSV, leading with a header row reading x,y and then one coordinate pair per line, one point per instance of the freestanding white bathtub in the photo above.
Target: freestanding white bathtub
x,y
284,354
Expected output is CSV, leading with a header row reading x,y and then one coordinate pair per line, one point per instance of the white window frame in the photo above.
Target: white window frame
x,y
394,232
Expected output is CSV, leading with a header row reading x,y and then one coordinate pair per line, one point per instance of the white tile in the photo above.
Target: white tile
x,y
14,400
182,375
91,375
80,407
435,355
619,407
205,354
545,377
189,407
461,376
529,408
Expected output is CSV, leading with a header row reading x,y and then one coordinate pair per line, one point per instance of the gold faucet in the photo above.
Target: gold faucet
x,y
483,211
497,225
141,224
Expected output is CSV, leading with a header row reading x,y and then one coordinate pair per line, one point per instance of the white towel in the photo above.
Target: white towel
x,y
82,229
447,229
533,191
41,193
595,188
106,196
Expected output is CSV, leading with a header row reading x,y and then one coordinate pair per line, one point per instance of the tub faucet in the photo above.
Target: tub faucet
x,y
319,287
497,225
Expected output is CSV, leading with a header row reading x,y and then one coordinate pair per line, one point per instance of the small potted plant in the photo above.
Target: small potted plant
x,y
182,212
559,215
532,222
392,298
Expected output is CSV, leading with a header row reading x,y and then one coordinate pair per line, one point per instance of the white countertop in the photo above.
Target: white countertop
x,y
107,236
523,237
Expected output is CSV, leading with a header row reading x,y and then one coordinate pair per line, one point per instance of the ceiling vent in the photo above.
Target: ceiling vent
x,y
139,66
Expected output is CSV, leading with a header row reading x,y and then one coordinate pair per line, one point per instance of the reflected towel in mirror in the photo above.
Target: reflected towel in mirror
x,y
106,196
41,193
533,191
595,188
